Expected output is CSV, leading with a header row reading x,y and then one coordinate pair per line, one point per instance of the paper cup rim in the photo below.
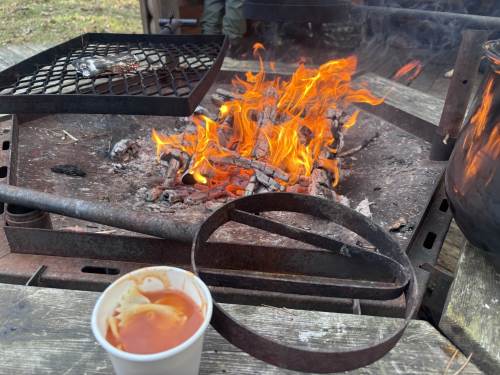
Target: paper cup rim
x,y
134,357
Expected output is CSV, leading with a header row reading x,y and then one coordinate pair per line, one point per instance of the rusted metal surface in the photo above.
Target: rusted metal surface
x,y
152,224
66,272
459,93
296,358
17,216
99,213
390,168
35,278
218,255
430,234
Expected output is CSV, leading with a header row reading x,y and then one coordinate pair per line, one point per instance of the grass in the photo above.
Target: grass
x,y
54,21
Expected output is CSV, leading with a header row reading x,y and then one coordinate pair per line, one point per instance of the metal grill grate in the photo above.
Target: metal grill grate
x,y
174,73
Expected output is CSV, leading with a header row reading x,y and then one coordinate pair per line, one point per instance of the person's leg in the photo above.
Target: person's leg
x,y
234,24
211,21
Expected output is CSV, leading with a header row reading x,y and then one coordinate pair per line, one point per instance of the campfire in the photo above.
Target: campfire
x,y
269,135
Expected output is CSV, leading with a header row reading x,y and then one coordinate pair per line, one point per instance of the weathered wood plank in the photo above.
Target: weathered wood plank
x,y
440,87
412,110
426,79
10,55
471,318
47,331
452,246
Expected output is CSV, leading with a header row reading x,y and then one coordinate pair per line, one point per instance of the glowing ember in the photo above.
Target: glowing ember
x,y
284,125
409,71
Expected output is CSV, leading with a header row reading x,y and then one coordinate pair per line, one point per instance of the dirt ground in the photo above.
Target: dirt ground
x,y
52,21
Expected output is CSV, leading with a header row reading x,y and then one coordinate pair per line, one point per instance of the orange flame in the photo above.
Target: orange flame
x,y
410,70
479,151
490,151
283,123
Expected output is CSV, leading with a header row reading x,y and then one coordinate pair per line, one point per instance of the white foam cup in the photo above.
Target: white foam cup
x,y
183,359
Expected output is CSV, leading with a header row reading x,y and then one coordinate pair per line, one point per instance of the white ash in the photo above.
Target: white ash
x,y
363,208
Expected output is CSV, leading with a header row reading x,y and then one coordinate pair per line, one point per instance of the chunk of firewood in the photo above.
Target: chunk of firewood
x,y
261,189
320,184
252,184
265,117
269,182
154,194
171,173
174,196
225,132
297,188
245,163
304,181
337,121
200,110
217,99
170,152
203,196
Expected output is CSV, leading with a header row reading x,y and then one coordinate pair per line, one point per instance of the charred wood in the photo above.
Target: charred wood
x,y
268,182
252,184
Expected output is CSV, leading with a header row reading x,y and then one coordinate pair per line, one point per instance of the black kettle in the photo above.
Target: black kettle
x,y
473,172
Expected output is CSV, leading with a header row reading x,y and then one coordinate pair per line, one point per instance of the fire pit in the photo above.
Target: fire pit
x,y
115,159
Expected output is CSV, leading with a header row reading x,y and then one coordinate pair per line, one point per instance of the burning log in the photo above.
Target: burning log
x,y
221,96
187,178
200,110
267,116
320,184
210,194
268,182
304,181
337,119
225,132
217,99
252,184
171,174
246,163
174,196
298,189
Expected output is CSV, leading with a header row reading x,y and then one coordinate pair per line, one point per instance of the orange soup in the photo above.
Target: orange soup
x,y
161,321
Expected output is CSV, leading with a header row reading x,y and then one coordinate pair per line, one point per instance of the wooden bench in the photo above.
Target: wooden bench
x,y
471,318
47,331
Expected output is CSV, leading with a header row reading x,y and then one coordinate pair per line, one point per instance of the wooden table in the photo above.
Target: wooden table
x,y
47,331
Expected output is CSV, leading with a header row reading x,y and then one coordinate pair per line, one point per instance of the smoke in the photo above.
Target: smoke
x,y
375,33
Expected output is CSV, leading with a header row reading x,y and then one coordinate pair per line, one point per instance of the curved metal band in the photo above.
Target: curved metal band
x,y
291,357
